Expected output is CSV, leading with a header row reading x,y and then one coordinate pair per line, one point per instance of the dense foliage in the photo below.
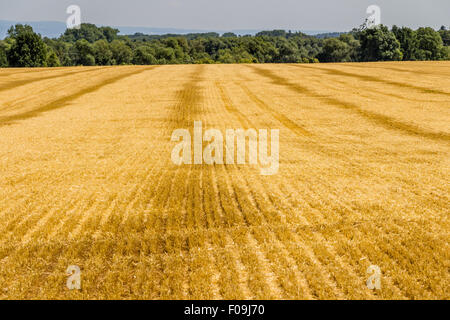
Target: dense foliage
x,y
27,49
91,45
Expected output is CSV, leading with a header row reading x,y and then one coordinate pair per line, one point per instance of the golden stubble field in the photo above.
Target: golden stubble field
x,y
86,179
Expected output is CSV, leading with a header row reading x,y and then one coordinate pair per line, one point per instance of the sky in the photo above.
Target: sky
x,y
327,15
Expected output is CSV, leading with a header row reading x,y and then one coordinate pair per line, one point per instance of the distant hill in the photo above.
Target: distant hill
x,y
51,29
54,29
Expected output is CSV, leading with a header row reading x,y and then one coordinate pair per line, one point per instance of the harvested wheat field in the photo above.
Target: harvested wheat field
x,y
86,179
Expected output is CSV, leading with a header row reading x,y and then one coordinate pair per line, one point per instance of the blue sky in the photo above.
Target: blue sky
x,y
336,15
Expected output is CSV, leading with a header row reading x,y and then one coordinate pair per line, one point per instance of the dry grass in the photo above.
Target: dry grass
x,y
86,179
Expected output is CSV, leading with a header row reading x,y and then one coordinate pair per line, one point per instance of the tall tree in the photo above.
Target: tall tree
x,y
430,44
122,54
109,33
353,44
379,44
82,53
229,35
52,58
408,42
102,53
445,35
144,55
91,33
3,54
28,48
335,50
61,49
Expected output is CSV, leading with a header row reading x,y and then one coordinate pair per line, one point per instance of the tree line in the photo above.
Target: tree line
x,y
91,45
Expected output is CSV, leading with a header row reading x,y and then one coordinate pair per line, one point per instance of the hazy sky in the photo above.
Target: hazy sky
x,y
332,15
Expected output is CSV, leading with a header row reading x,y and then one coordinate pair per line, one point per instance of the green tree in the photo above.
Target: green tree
x,y
229,35
28,49
203,58
335,50
445,35
109,33
260,48
92,45
52,58
446,53
225,56
273,33
3,54
430,44
165,55
213,45
352,43
82,53
379,44
121,53
102,53
61,49
143,55
91,33
18,29
408,42
287,51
